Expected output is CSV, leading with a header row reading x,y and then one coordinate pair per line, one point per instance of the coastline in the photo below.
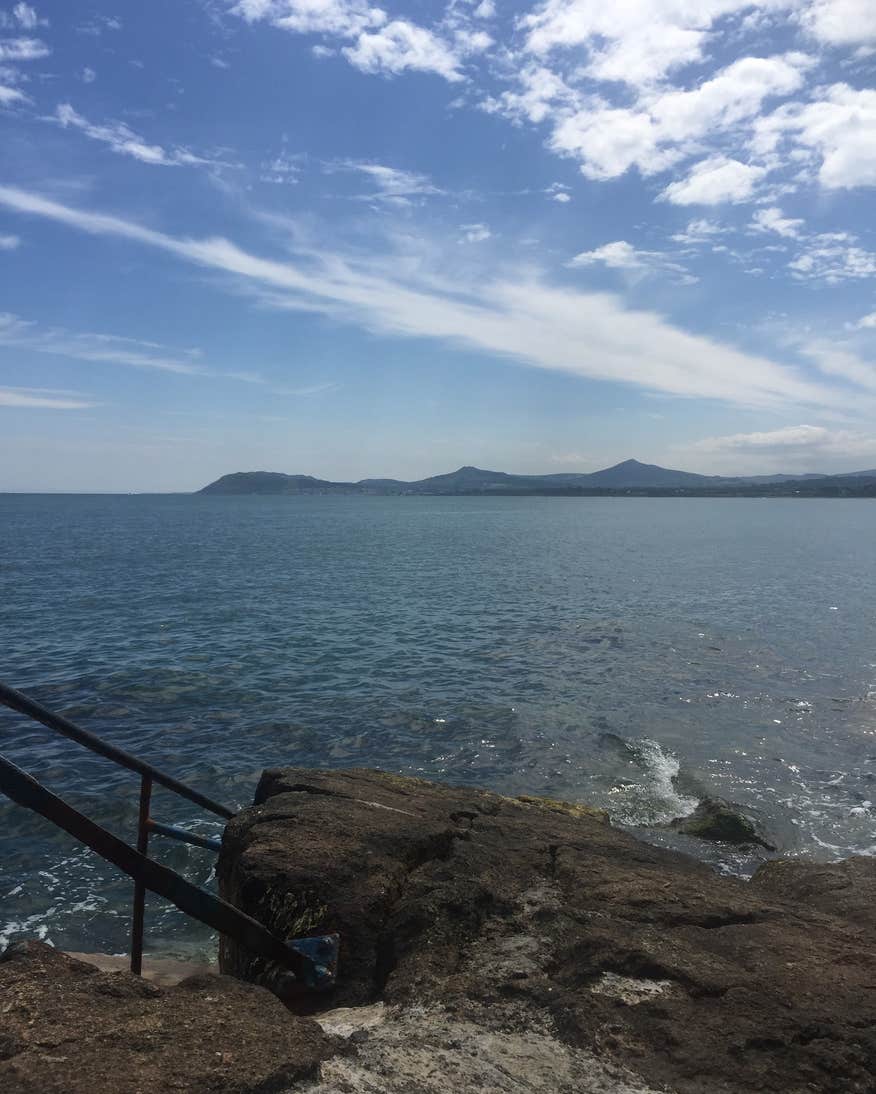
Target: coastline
x,y
513,943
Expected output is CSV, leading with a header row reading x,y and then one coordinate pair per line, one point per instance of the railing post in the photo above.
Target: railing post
x,y
139,887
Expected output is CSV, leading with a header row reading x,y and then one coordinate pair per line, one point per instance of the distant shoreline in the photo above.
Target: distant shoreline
x,y
864,492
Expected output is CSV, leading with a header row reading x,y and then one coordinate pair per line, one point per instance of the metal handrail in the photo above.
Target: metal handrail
x,y
312,960
25,705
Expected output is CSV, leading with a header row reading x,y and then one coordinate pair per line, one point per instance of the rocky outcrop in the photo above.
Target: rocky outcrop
x,y
490,945
537,923
66,1028
722,822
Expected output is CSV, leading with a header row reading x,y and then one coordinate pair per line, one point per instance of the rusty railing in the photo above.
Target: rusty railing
x,y
312,960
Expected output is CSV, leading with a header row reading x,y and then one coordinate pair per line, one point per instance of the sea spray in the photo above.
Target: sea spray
x,y
653,797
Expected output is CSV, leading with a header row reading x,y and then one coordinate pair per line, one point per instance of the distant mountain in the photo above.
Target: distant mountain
x,y
273,482
632,473
629,476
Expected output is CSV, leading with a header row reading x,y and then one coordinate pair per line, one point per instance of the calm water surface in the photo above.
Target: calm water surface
x,y
633,653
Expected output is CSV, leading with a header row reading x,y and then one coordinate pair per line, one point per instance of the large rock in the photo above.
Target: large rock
x,y
521,919
66,1028
722,822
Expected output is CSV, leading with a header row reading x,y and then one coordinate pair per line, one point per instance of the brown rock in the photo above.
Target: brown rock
x,y
66,1028
514,916
846,889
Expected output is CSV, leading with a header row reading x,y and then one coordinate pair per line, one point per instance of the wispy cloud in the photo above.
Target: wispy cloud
x,y
307,390
636,264
391,184
43,399
123,140
15,50
521,317
9,243
99,348
474,233
798,445
10,95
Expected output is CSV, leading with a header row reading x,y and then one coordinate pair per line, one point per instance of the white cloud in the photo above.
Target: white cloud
x,y
99,24
9,243
867,322
475,233
379,45
23,49
346,18
839,128
27,17
735,94
795,445
841,22
399,46
792,436
638,42
714,181
539,90
621,255
771,220
10,95
281,170
523,317
836,359
609,141
126,142
662,127
88,75
699,231
41,399
833,257
561,196
486,9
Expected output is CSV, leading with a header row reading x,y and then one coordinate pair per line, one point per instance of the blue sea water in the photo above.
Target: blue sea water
x,y
632,653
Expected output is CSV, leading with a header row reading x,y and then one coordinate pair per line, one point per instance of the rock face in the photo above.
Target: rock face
x,y
723,822
66,1028
525,919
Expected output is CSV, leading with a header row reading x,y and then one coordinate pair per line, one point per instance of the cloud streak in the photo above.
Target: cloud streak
x,y
521,318
42,399
111,349
124,141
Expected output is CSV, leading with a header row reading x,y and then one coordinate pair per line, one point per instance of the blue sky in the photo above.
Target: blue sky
x,y
327,237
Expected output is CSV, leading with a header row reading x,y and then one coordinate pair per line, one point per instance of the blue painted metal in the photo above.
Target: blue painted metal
x,y
322,952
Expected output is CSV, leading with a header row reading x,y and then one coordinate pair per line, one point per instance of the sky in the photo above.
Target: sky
x,y
334,238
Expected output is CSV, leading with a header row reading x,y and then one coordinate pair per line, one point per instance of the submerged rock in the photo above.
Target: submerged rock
x,y
483,923
723,822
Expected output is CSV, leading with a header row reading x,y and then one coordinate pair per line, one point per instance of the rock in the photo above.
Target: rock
x,y
846,889
66,1028
723,822
484,923
573,809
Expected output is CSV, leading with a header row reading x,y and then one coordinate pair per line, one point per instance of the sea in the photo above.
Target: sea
x,y
633,653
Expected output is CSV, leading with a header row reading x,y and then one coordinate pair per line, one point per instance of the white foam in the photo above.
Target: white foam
x,y
654,800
